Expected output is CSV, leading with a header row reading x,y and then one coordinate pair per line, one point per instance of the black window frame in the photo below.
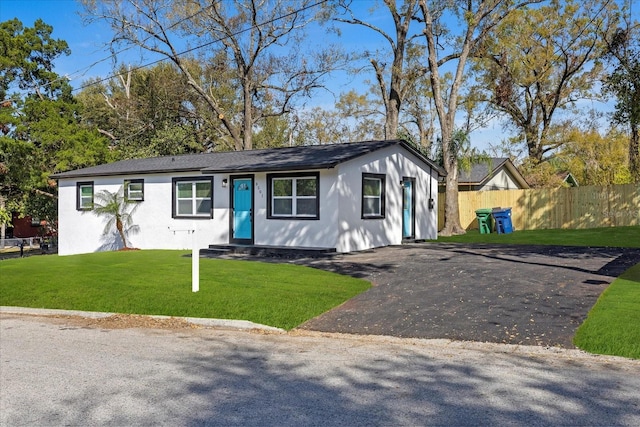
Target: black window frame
x,y
192,179
127,182
383,193
293,176
79,186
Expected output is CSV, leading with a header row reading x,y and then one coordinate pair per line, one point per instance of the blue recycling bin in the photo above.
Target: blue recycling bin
x,y
502,220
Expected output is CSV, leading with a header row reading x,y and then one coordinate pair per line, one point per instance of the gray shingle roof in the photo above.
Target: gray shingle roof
x,y
479,172
274,159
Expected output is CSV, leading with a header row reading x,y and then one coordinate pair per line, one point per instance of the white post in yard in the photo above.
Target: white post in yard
x,y
195,263
195,257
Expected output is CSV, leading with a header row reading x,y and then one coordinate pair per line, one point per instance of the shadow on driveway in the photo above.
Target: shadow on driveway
x,y
531,295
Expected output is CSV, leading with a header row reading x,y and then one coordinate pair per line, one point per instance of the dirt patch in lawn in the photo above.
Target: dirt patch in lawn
x,y
122,321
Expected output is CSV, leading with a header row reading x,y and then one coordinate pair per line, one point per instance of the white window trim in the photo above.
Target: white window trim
x,y
128,192
194,199
81,206
293,197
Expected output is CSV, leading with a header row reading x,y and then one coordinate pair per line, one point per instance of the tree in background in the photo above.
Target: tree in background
x,y
261,39
39,118
592,156
118,212
146,112
394,80
419,117
445,48
596,158
354,118
273,131
538,63
623,82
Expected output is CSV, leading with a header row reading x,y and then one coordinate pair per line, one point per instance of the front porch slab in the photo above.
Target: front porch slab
x,y
267,251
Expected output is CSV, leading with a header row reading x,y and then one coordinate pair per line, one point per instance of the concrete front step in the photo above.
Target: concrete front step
x,y
267,251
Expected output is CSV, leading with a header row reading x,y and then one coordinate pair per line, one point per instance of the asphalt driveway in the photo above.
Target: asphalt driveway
x,y
532,295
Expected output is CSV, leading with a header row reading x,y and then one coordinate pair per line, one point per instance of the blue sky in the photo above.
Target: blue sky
x,y
63,17
88,55
90,59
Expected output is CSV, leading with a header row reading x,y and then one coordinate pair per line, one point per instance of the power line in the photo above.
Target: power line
x,y
237,33
84,70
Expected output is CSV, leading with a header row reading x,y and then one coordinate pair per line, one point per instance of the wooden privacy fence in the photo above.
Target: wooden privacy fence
x,y
577,207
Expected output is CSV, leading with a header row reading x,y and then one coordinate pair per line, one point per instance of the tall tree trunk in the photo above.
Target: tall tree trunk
x,y
392,99
452,223
534,145
394,93
394,103
391,121
446,119
634,153
247,125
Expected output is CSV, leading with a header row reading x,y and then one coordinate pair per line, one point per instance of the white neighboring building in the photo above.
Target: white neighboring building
x,y
497,173
342,197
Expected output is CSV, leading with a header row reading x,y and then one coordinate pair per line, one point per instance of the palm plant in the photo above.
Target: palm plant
x,y
118,211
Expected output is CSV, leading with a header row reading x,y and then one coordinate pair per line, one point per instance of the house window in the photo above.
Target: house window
x,y
373,196
192,197
84,196
134,190
293,196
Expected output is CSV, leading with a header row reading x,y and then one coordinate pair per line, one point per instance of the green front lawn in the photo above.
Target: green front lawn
x,y
281,295
619,237
613,324
159,282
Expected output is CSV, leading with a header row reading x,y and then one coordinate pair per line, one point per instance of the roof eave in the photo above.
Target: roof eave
x,y
261,168
517,175
269,169
431,163
493,170
66,175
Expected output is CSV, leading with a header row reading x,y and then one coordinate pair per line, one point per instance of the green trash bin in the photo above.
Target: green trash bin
x,y
485,220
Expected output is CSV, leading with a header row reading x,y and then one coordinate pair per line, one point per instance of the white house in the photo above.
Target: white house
x,y
342,197
496,173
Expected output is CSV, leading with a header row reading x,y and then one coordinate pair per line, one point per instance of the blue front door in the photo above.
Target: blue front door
x,y
408,208
242,206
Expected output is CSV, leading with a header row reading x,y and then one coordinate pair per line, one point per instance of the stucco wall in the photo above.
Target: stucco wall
x,y
357,233
83,232
339,225
502,180
321,233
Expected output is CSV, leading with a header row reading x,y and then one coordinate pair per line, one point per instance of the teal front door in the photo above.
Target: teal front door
x,y
242,207
408,208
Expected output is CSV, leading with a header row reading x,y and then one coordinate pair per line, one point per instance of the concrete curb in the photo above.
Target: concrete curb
x,y
437,344
218,323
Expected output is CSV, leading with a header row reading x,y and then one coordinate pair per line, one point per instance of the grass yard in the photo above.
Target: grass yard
x,y
159,282
613,324
620,237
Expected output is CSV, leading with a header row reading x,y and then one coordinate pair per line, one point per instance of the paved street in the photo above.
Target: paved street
x,y
63,372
